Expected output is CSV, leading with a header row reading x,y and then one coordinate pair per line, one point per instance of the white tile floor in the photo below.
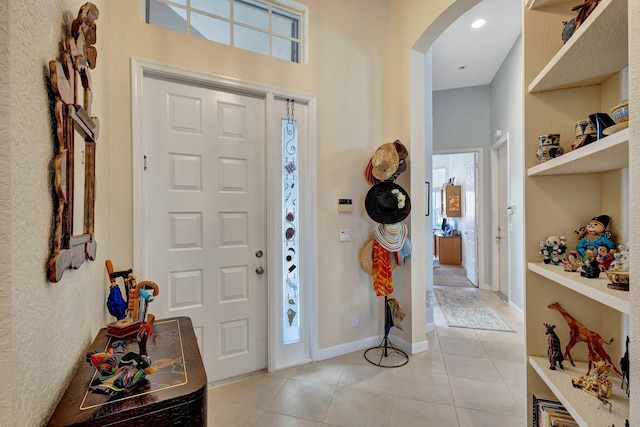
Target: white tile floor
x,y
467,378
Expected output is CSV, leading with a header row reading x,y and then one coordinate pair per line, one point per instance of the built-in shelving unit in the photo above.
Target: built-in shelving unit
x,y
609,153
592,181
578,62
595,289
584,407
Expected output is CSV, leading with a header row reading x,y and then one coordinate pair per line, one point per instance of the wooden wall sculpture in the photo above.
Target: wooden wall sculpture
x,y
71,96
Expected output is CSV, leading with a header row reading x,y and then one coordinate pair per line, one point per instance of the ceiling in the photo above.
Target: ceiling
x,y
480,51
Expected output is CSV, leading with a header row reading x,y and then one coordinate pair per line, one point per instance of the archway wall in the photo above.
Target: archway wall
x,y
413,27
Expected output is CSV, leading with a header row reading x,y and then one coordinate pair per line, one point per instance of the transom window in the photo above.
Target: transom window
x,y
259,26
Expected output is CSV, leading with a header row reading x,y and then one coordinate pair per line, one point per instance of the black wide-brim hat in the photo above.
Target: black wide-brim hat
x,y
384,205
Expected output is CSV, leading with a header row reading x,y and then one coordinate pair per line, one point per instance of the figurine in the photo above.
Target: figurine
x,y
605,257
554,353
553,249
594,234
591,269
598,383
573,261
624,365
579,333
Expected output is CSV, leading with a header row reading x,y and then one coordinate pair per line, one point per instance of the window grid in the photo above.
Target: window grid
x,y
280,11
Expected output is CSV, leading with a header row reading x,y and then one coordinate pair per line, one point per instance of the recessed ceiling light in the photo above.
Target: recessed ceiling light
x,y
478,23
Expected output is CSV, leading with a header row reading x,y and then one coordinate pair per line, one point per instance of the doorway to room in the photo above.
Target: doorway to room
x,y
454,212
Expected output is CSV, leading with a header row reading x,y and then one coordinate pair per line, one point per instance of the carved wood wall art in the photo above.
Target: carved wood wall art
x,y
75,136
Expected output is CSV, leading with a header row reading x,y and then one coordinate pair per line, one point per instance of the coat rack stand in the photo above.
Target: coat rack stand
x,y
386,355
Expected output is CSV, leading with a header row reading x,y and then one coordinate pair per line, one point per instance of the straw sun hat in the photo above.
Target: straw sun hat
x,y
366,258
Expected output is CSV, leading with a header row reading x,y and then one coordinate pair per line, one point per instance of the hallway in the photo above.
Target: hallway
x,y
467,378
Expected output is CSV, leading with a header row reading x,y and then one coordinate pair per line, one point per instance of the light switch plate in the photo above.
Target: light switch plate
x,y
345,235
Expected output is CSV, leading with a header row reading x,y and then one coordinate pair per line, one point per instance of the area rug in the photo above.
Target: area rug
x,y
464,309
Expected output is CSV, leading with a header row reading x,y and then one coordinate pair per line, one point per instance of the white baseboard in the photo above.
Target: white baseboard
x,y
350,347
363,344
516,308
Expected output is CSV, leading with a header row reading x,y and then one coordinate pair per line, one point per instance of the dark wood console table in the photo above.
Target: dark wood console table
x,y
176,394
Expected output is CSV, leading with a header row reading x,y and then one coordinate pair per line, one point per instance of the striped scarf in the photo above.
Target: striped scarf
x,y
382,273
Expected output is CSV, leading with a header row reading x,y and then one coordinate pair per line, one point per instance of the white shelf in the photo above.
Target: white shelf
x,y
594,52
582,406
609,153
537,4
595,289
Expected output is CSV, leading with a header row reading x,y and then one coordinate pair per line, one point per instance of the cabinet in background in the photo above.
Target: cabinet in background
x,y
449,250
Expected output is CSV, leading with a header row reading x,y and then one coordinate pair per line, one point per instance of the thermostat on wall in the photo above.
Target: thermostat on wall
x,y
345,205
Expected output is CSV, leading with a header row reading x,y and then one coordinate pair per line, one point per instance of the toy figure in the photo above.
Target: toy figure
x,y
598,383
554,353
604,256
553,249
573,261
594,234
624,365
591,269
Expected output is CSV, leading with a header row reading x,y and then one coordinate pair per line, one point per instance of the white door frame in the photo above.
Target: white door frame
x,y
307,196
495,221
480,235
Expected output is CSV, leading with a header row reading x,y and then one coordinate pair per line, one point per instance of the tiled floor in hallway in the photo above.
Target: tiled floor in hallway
x,y
467,378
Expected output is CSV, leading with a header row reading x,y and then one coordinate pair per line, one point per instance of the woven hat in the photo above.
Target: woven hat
x,y
387,203
385,161
391,236
366,258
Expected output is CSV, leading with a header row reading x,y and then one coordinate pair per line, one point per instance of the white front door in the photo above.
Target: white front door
x,y
470,218
204,219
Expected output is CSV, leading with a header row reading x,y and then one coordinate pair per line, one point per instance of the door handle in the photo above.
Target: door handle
x,y
260,270
259,253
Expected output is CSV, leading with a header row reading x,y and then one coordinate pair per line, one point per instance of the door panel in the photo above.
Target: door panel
x,y
470,218
503,226
204,218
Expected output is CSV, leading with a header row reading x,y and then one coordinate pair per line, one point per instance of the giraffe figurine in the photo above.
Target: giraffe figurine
x,y
597,383
580,333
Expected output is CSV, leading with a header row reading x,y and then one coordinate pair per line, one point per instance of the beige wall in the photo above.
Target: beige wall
x,y
50,324
359,71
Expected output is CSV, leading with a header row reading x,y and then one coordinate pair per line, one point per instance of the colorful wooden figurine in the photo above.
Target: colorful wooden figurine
x,y
579,333
624,365
554,353
594,234
573,261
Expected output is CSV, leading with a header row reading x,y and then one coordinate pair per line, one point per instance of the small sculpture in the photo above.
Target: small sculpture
x,y
568,29
597,384
624,366
594,234
554,353
573,261
549,147
553,249
605,257
591,269
579,333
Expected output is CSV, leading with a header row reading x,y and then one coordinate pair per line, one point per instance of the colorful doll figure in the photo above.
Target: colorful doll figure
x,y
604,256
594,234
553,249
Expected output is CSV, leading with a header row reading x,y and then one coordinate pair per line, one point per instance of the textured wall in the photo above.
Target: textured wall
x,y
5,217
51,323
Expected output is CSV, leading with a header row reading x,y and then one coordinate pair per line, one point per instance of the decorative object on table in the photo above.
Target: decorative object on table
x,y
584,10
594,234
387,203
553,249
580,333
568,29
586,133
76,131
573,262
596,384
624,367
601,121
549,147
118,371
138,299
619,280
554,351
116,304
